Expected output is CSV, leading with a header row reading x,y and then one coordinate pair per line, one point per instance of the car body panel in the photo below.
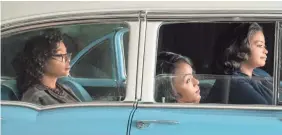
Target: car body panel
x,y
88,119
202,121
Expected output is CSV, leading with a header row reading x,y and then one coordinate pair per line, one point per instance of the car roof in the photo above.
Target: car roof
x,y
12,10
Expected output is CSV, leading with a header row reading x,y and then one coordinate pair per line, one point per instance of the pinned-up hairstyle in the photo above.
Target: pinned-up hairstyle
x,y
239,48
165,70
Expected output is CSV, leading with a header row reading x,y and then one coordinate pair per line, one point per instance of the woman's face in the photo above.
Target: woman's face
x,y
185,84
59,64
258,50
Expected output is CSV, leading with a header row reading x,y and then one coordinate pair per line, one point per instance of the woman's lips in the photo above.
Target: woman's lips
x,y
198,91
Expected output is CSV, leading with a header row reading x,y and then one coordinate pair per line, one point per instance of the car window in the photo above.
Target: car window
x,y
205,45
94,61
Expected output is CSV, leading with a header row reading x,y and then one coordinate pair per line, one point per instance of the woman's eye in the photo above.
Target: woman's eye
x,y
261,46
188,80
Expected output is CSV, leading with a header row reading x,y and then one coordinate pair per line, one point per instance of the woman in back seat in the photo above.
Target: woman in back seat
x,y
246,53
175,81
43,60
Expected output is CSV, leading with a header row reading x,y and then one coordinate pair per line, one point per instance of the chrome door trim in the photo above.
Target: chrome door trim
x,y
210,106
140,57
140,124
66,105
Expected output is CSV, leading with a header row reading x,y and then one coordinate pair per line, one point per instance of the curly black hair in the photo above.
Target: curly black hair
x,y
29,64
166,65
239,49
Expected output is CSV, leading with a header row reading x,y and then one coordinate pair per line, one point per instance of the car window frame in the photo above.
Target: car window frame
x,y
118,38
33,23
279,63
188,16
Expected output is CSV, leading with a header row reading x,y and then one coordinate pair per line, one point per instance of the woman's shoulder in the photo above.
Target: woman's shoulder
x,y
261,73
34,93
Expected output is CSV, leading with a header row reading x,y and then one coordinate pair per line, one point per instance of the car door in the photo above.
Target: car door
x,y
83,118
104,115
166,118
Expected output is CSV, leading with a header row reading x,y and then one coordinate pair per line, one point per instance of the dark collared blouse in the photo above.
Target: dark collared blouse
x,y
246,90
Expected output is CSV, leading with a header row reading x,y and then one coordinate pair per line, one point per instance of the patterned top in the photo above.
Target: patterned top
x,y
43,95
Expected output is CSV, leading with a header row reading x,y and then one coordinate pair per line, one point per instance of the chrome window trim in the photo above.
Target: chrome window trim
x,y
17,30
221,15
234,10
36,22
69,16
190,18
280,61
140,55
276,73
218,19
142,105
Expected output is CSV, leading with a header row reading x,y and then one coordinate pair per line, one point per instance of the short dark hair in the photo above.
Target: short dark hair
x,y
166,65
239,49
29,64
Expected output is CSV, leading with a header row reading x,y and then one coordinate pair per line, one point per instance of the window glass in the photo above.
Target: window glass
x,y
94,57
207,57
97,63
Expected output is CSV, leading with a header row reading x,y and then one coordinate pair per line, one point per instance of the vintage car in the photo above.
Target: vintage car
x,y
113,69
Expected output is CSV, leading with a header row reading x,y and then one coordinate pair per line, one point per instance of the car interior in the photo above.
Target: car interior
x,y
204,44
201,42
95,69
9,49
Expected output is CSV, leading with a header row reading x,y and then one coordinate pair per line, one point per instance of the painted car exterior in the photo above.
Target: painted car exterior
x,y
137,113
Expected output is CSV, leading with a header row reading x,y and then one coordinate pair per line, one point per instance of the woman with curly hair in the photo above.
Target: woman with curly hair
x,y
43,60
175,81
